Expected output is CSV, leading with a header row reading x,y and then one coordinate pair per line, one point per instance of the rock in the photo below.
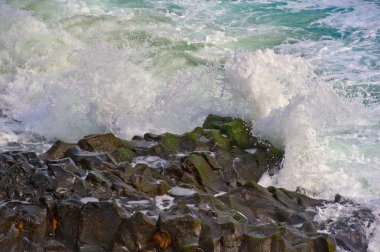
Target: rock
x,y
55,246
151,137
174,170
247,168
211,160
91,248
162,239
237,130
40,182
151,187
97,178
99,225
183,228
119,248
123,154
21,226
68,164
191,192
204,173
57,151
68,215
262,244
269,158
169,144
65,180
136,233
293,199
351,237
215,121
91,160
231,237
19,179
239,134
117,184
218,140
103,143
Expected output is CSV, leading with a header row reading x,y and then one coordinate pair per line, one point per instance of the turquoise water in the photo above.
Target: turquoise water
x,y
306,73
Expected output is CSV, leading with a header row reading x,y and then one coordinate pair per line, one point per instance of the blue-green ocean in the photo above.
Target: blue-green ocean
x,y
306,73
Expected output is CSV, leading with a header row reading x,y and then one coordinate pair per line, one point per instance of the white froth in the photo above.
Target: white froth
x,y
151,161
219,194
267,81
251,151
164,202
86,200
180,191
133,203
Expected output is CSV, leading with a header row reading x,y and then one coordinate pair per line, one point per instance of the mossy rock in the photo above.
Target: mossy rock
x,y
272,189
268,156
237,130
239,133
218,138
123,154
215,121
191,141
198,130
324,243
191,136
150,187
211,160
271,158
163,187
205,173
255,186
188,248
170,143
57,151
240,217
103,143
274,242
276,154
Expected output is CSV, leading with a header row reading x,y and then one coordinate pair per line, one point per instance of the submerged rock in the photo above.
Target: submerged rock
x,y
190,192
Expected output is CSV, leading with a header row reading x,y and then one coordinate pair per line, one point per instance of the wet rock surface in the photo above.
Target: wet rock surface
x,y
192,192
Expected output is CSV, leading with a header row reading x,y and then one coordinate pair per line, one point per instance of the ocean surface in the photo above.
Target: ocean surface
x,y
305,72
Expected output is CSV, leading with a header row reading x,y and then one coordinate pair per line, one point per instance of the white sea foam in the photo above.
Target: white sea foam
x,y
164,202
180,191
252,151
86,200
151,161
219,194
267,81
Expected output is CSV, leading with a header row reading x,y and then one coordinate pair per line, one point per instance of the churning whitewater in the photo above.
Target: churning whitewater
x,y
306,73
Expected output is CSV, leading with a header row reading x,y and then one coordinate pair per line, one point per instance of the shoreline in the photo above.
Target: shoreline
x,y
192,192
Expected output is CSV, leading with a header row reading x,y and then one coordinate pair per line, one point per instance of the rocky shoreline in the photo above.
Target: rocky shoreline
x,y
192,192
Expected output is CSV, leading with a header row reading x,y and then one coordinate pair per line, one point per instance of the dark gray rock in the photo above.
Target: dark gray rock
x,y
136,233
99,224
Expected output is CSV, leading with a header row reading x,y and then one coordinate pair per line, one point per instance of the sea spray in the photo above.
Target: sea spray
x,y
323,131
